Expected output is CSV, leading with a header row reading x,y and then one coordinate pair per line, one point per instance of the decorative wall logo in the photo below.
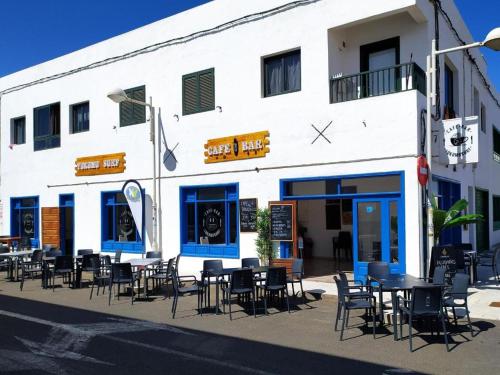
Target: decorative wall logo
x,y
212,222
126,222
460,141
28,223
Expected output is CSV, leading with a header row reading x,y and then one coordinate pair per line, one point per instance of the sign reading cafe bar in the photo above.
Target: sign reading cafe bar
x,y
100,164
237,147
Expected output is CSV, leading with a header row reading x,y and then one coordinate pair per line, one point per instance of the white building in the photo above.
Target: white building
x,y
215,71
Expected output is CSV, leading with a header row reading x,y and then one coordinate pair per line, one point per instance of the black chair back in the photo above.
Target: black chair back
x,y
176,263
276,276
343,279
298,267
379,270
250,263
460,285
63,262
212,265
118,256
54,253
121,272
426,300
89,262
153,254
37,256
340,288
105,260
439,277
84,251
242,279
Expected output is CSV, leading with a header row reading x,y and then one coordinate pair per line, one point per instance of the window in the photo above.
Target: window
x,y
449,93
282,73
24,219
18,131
198,92
132,114
79,117
483,118
332,211
496,212
47,127
475,111
209,221
118,226
496,144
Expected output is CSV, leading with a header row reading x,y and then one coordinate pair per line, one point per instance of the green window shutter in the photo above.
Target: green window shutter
x,y
198,92
207,88
190,94
131,114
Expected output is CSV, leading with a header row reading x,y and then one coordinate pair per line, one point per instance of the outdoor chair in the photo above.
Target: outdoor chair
x,y
352,291
378,270
53,253
209,267
89,264
4,262
347,303
457,297
276,283
425,303
296,276
491,259
153,254
32,267
84,252
180,290
342,242
253,263
63,265
102,273
162,274
242,283
121,273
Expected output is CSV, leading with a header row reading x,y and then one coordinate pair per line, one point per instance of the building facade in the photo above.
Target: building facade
x,y
319,102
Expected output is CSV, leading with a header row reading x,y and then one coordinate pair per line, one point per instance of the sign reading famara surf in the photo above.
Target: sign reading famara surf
x,y
237,147
100,164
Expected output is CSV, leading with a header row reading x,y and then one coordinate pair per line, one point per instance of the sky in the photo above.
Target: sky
x,y
34,31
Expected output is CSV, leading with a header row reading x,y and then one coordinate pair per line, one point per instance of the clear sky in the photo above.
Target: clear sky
x,y
33,31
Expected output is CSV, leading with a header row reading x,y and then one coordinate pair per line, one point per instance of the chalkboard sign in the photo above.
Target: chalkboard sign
x,y
281,222
248,215
449,256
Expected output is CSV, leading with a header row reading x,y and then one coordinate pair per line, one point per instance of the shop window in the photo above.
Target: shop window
x,y
118,226
47,127
18,131
282,73
25,219
130,113
496,212
79,117
209,221
198,92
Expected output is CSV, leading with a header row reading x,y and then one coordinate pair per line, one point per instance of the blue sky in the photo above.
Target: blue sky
x,y
33,31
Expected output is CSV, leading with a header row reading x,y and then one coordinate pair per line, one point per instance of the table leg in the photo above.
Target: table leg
x,y
216,295
394,314
381,306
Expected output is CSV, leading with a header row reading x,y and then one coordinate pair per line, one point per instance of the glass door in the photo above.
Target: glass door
x,y
378,234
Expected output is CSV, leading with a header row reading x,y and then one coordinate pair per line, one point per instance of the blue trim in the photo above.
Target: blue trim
x,y
66,201
35,242
227,250
446,179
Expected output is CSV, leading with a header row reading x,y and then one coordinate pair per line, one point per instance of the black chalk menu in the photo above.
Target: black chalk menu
x,y
248,215
281,222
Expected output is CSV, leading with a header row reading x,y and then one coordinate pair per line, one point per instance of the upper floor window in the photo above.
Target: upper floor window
x,y
18,131
476,103
496,212
496,144
450,109
282,73
132,114
483,118
198,92
79,117
47,127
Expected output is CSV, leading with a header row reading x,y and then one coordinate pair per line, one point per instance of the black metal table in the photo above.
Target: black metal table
x,y
226,272
394,284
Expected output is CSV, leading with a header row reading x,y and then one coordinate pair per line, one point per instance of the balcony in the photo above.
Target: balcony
x,y
496,157
393,79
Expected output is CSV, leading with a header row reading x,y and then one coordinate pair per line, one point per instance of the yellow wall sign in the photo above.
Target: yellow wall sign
x,y
100,164
237,147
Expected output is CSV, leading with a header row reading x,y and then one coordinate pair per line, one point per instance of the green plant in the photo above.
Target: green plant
x,y
263,241
442,219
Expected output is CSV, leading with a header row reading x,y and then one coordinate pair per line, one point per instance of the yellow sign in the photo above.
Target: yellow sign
x,y
100,164
237,147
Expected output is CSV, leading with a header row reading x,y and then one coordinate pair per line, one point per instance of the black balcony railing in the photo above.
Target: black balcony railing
x,y
398,78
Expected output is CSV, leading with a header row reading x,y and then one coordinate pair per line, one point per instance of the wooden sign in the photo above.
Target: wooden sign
x,y
282,221
248,215
100,164
237,147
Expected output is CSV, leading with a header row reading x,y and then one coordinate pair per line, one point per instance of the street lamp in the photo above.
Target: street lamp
x,y
491,41
120,96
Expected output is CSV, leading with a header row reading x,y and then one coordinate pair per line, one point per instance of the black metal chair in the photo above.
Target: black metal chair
x,y
118,256
54,253
425,303
211,266
82,252
356,291
242,283
64,266
153,254
347,303
32,267
491,259
342,242
162,274
250,262
102,273
5,263
180,289
276,282
90,263
456,296
121,273
296,275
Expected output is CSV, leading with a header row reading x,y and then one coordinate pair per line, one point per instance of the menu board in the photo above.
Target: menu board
x,y
281,222
248,215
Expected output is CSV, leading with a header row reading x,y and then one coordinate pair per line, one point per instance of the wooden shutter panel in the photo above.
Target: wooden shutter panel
x,y
126,114
189,94
207,88
139,111
50,226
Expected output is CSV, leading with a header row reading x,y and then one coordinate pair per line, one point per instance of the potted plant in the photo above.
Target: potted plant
x,y
263,241
442,219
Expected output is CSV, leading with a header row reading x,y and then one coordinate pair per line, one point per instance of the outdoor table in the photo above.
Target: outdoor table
x,y
14,257
140,264
226,272
394,283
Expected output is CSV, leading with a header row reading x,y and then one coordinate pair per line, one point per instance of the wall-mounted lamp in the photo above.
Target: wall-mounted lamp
x,y
219,108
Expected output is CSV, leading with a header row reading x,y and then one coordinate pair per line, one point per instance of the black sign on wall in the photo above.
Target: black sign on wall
x,y
248,215
281,222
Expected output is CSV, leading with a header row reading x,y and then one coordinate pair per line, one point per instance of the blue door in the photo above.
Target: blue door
x,y
448,194
66,223
378,234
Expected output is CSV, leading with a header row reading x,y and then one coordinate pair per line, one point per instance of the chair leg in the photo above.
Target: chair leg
x,y
445,334
287,300
302,291
174,306
410,333
343,324
454,315
293,289
92,288
374,322
468,319
339,307
347,318
265,302
53,281
110,291
132,293
253,303
229,300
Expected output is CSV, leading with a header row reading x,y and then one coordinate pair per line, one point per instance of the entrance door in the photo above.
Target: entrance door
x,y
378,234
66,222
483,227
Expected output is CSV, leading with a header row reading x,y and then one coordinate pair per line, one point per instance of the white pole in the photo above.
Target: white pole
x,y
160,162
154,207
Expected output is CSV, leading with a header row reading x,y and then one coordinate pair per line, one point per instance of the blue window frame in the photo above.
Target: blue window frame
x,y
209,221
118,229
24,219
80,117
47,127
